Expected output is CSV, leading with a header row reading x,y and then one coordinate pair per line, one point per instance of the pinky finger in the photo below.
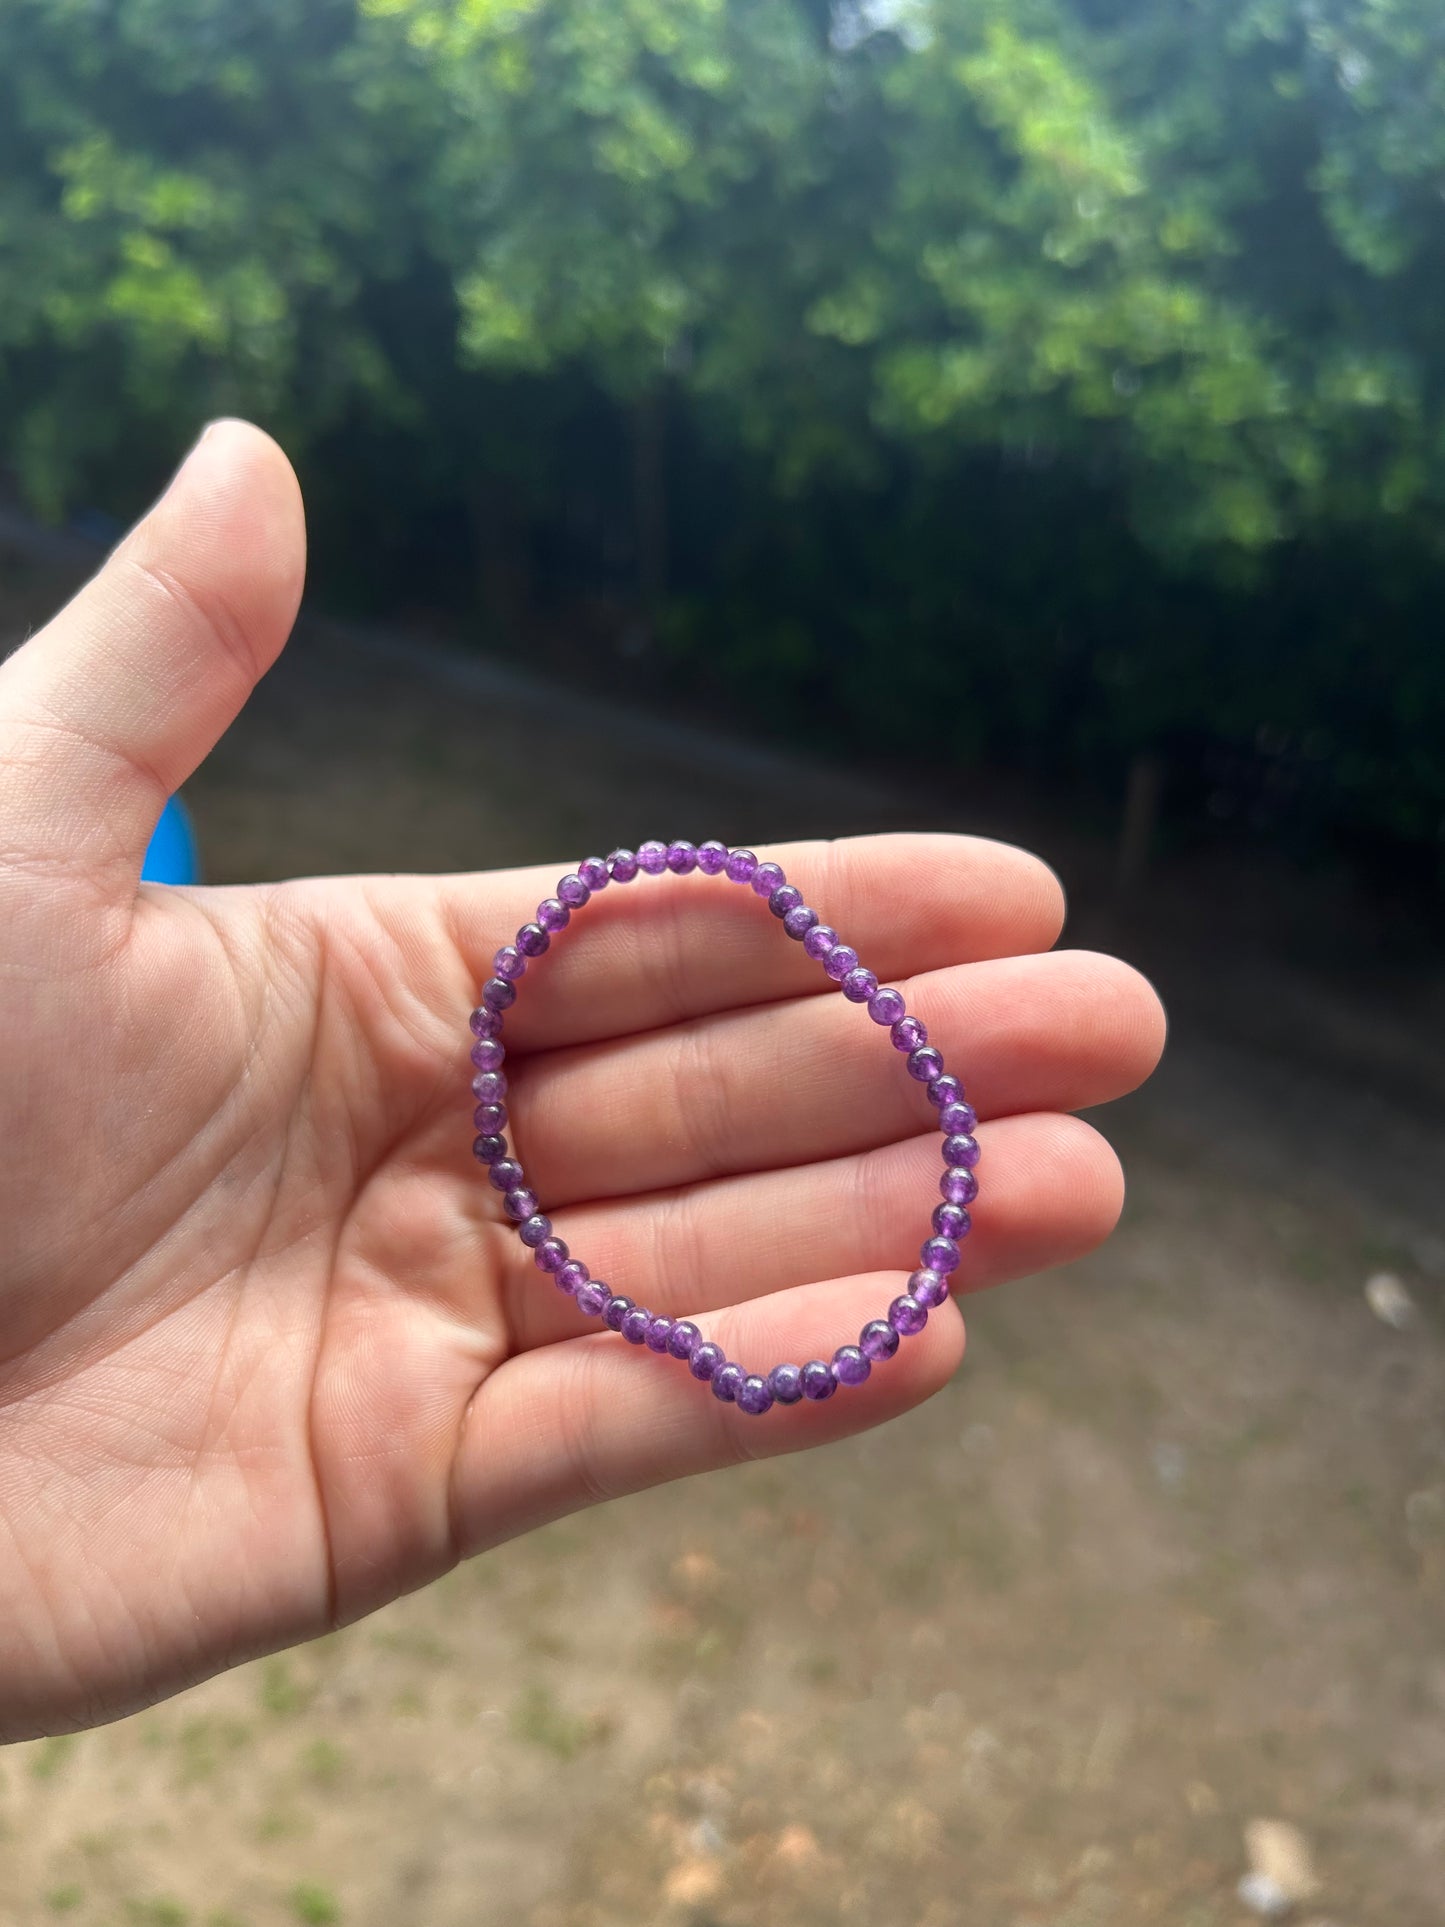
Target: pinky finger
x,y
589,1419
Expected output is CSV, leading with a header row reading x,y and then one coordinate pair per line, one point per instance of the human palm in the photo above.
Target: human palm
x,y
269,1354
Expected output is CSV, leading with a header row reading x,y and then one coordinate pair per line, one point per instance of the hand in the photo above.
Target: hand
x,y
268,1354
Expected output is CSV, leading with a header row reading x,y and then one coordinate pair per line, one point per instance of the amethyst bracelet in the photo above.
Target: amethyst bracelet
x,y
752,1392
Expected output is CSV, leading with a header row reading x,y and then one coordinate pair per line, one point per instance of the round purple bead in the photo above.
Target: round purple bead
x,y
484,1022
907,1316
908,1033
635,1322
878,1341
818,1380
684,1338
593,872
929,1288
615,1310
957,1118
491,1118
534,1229
652,856
839,961
819,941
489,1087
659,1330
573,891
727,1381
741,866
767,878
682,857
498,994
509,963
786,897
951,1221
533,940
623,865
506,1174
799,921
488,1148
572,1277
704,1359
850,1367
551,1255
520,1204
886,1006
944,1091
961,1148
940,1254
753,1396
489,1053
593,1297
859,985
712,857
785,1382
925,1063
958,1186
553,914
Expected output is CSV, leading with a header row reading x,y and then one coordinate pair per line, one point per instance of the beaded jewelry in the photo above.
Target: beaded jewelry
x,y
752,1392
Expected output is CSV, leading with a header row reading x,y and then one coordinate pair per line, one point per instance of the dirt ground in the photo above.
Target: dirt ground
x,y
1167,1558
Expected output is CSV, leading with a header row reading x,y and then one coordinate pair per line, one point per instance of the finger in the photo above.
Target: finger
x,y
113,705
1051,1190
791,1083
663,949
591,1419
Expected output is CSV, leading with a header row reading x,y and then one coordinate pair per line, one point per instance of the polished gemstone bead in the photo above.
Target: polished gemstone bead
x,y
498,994
767,878
572,1277
908,1033
951,1221
623,865
489,1147
859,985
489,1087
878,1341
928,1287
682,857
551,1255
593,1297
485,1022
839,961
506,1174
961,1148
594,873
741,866
785,1382
727,1381
704,1359
957,1118
553,914
786,897
652,856
943,1091
509,963
533,940
489,1053
534,1229
819,941
886,1006
925,1063
615,1311
958,1185
940,1254
907,1316
799,921
850,1367
754,1396
634,1324
520,1204
573,891
491,1118
712,857
818,1380
684,1338
659,1330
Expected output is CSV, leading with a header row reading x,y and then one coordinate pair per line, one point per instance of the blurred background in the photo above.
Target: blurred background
x,y
835,415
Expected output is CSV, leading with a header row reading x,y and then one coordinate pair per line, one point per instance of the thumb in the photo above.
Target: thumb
x,y
114,704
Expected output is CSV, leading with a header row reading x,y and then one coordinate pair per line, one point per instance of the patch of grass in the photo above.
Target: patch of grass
x,y
281,1692
323,1761
50,1755
539,1720
64,1900
205,1743
159,1911
315,1905
223,1917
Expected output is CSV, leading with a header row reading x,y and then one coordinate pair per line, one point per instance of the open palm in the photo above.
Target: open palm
x,y
269,1354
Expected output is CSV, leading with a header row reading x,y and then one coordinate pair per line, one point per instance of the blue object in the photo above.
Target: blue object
x,y
171,856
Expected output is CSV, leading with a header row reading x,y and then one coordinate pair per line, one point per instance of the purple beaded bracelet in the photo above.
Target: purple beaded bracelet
x,y
752,1392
